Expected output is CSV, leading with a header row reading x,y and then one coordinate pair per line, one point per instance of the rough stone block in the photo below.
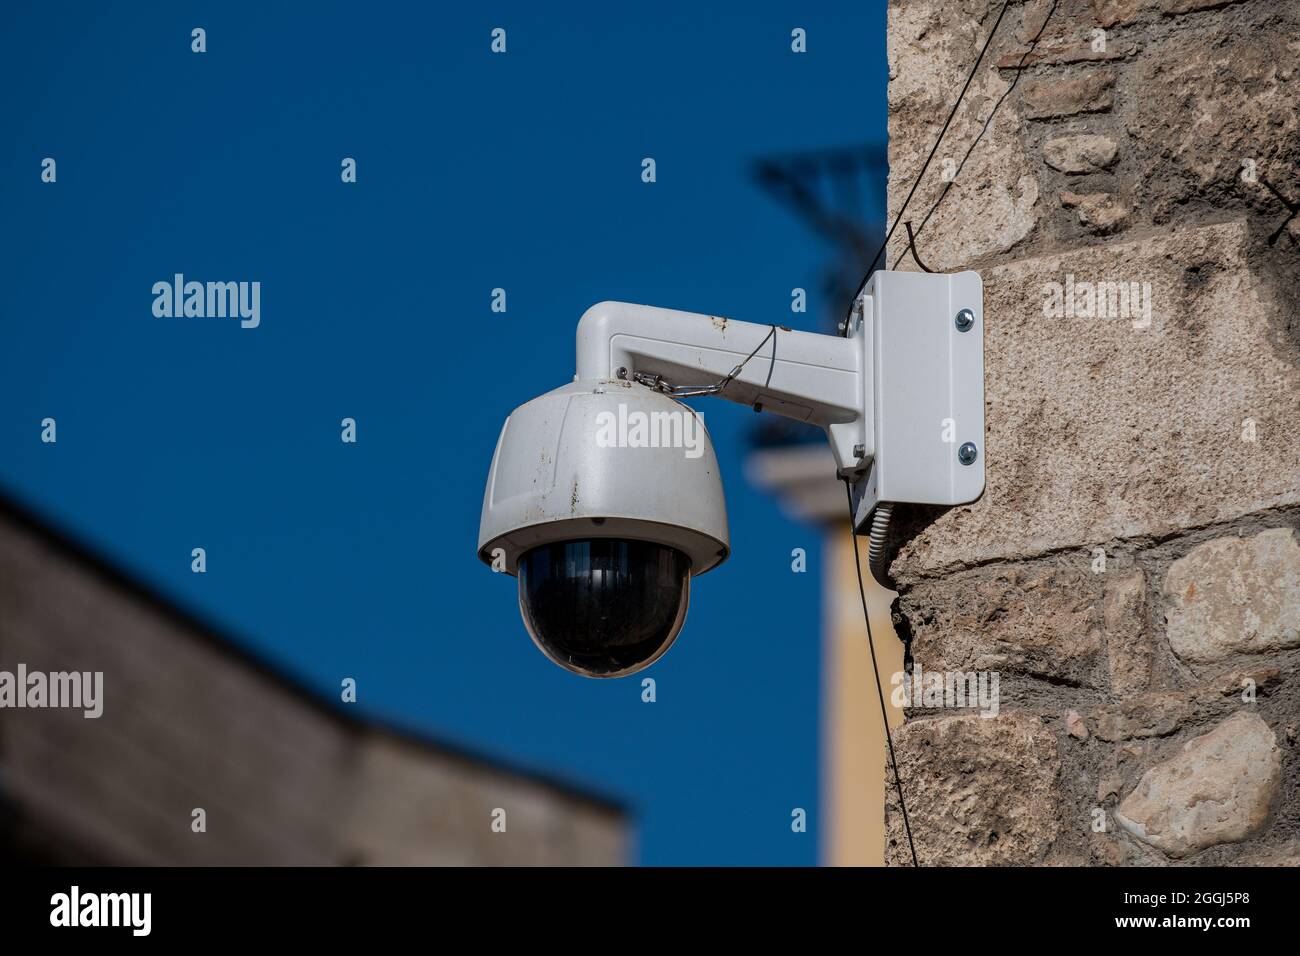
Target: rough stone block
x,y
1206,103
1060,54
1108,851
1174,7
1103,213
1102,429
1052,96
1163,713
1235,595
1109,13
1042,621
1157,715
1128,649
989,800
1082,153
1056,622
1218,789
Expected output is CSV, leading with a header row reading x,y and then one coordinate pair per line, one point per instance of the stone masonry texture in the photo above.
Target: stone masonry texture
x,y
1125,176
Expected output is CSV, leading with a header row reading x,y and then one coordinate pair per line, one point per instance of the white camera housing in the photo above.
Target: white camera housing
x,y
551,480
601,525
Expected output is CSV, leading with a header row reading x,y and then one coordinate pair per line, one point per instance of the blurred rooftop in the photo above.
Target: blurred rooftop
x,y
192,720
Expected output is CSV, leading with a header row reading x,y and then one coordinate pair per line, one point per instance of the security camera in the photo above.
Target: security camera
x,y
604,534
604,496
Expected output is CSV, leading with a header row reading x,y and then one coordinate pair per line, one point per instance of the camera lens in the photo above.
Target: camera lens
x,y
604,607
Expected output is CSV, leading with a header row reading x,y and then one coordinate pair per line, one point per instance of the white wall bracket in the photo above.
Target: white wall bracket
x,y
900,396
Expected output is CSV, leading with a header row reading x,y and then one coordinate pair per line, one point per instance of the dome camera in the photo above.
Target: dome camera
x,y
604,498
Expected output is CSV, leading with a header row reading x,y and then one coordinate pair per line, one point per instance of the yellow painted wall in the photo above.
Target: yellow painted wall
x,y
853,743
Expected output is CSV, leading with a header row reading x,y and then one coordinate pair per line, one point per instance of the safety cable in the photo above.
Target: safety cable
x,y
875,667
926,165
659,383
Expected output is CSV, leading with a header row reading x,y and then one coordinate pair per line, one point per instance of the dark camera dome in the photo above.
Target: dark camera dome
x,y
604,607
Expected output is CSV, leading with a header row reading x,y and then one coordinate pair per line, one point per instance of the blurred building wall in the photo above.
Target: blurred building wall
x,y
189,721
853,755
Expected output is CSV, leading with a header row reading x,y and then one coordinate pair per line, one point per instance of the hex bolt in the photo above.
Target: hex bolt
x,y
967,453
965,319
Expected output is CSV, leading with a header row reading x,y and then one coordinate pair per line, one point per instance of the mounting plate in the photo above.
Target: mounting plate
x,y
928,389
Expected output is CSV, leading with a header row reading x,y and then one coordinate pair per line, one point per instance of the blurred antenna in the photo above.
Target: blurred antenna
x,y
839,195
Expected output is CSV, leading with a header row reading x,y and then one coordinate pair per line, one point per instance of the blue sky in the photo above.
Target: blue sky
x,y
475,171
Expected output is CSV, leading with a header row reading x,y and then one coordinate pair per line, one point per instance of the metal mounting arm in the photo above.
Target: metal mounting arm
x,y
900,396
814,378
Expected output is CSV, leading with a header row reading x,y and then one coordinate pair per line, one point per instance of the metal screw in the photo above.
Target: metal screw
x,y
859,451
967,453
965,319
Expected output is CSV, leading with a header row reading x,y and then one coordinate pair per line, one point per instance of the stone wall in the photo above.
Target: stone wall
x,y
191,722
1123,173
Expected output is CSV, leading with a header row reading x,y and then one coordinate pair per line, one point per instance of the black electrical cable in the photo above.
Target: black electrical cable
x,y
911,246
926,165
875,667
848,487
1033,44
